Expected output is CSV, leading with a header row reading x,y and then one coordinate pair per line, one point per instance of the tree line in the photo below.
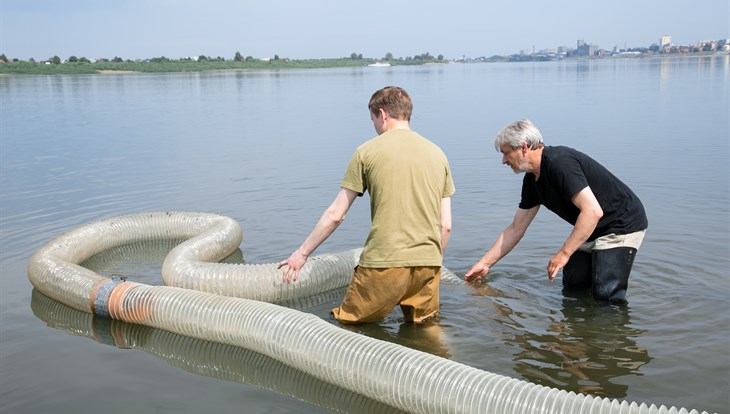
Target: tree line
x,y
238,57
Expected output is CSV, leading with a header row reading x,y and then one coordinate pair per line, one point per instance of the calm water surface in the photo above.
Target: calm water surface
x,y
269,150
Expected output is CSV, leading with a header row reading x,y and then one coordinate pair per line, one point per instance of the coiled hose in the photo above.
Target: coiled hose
x,y
211,359
226,303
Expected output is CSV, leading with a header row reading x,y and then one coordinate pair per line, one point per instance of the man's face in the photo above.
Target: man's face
x,y
516,158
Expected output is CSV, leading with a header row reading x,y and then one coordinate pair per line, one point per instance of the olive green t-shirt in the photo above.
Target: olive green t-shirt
x,y
406,176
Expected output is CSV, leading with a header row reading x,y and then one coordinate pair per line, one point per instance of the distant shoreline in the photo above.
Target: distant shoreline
x,y
172,66
540,58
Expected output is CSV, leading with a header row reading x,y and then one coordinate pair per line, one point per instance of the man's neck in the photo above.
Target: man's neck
x,y
397,124
535,161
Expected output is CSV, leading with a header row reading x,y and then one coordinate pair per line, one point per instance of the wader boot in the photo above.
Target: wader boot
x,y
611,268
578,272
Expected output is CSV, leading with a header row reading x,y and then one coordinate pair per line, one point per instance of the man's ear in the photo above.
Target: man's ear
x,y
382,114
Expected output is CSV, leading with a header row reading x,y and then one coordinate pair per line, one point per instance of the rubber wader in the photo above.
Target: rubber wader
x,y
605,271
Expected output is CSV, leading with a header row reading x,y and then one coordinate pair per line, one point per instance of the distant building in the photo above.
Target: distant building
x,y
707,46
665,40
585,49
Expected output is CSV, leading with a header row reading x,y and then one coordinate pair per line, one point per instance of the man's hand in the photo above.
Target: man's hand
x,y
477,272
292,266
585,224
556,263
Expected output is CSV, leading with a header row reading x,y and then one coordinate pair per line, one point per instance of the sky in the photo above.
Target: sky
x,y
302,29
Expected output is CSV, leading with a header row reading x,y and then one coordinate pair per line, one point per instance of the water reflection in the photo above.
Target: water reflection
x,y
205,358
141,261
585,348
426,337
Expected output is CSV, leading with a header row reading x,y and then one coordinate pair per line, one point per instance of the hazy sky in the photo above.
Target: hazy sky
x,y
336,28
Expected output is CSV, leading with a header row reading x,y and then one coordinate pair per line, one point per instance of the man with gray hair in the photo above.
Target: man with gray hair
x,y
608,218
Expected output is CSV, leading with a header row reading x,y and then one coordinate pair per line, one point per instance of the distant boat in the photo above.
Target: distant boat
x,y
379,64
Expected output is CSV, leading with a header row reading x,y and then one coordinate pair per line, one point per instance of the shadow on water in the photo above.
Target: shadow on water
x,y
586,347
205,358
566,341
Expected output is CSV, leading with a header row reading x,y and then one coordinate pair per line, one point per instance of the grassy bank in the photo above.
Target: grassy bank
x,y
33,68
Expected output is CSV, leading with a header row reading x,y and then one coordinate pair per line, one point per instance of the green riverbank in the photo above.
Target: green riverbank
x,y
67,68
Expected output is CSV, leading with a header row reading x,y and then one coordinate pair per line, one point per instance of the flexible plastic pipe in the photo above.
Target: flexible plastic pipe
x,y
206,358
400,377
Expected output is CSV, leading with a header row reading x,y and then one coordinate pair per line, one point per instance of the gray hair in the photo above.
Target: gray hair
x,y
518,133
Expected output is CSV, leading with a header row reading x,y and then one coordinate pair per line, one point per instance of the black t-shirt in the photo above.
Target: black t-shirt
x,y
564,172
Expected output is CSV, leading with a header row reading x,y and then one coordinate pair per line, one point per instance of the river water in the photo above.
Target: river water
x,y
269,148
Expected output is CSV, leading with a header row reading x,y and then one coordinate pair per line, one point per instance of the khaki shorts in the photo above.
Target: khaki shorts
x,y
611,241
374,292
